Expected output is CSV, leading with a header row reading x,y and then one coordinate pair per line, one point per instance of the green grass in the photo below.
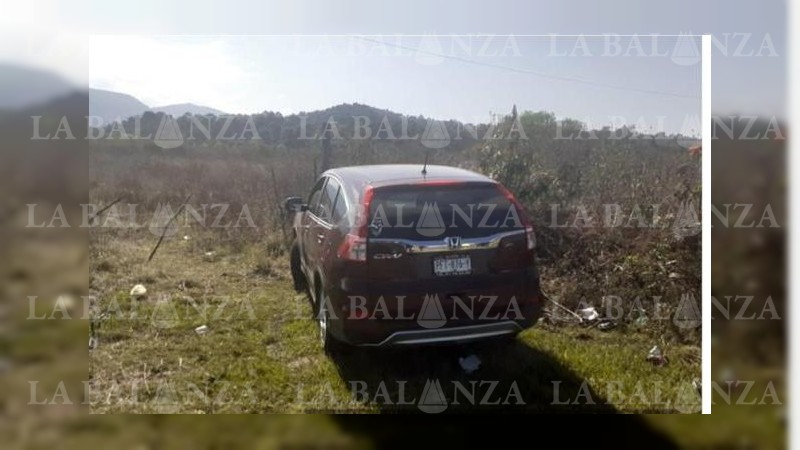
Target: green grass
x,y
262,354
257,365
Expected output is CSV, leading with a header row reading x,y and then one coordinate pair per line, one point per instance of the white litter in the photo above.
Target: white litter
x,y
470,364
606,325
656,356
202,329
138,292
588,314
640,321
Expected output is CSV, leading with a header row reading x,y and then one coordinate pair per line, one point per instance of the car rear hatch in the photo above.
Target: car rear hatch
x,y
459,241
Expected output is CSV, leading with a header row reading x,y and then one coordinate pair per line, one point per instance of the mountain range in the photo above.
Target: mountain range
x,y
112,106
25,87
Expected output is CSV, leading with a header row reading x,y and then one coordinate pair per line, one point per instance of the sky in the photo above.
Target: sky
x,y
602,80
245,75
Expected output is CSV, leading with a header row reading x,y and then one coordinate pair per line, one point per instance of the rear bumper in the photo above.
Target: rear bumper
x,y
526,280
463,334
516,305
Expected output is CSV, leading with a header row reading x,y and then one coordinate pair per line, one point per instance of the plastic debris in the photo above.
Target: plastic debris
x,y
655,352
138,292
607,325
640,321
656,356
588,314
186,237
202,329
470,364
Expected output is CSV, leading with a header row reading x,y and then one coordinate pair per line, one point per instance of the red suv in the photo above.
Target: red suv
x,y
412,255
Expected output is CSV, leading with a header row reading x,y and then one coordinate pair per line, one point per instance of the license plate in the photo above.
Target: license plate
x,y
452,265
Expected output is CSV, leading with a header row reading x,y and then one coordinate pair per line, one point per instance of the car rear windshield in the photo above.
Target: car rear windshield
x,y
435,211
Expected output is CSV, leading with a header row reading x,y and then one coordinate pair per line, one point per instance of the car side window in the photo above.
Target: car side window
x,y
339,208
314,197
328,199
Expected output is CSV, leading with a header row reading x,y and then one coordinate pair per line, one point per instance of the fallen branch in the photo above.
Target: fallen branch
x,y
164,233
580,319
104,209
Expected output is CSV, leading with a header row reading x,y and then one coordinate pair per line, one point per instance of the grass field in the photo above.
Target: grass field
x,y
261,353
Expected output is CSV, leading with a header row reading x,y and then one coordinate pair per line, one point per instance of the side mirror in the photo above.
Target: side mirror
x,y
294,205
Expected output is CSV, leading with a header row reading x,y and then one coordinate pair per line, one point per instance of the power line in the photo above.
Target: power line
x,y
532,72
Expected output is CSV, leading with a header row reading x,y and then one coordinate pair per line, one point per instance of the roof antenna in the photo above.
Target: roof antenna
x,y
425,167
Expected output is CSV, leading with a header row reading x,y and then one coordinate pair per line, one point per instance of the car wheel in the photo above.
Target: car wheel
x,y
329,343
298,278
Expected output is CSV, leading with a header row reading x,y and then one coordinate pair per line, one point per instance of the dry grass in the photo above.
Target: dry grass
x,y
263,345
261,353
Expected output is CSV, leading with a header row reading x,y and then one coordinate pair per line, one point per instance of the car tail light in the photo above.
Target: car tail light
x,y
354,246
530,236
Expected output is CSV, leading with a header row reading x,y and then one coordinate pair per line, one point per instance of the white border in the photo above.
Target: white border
x,y
706,189
793,159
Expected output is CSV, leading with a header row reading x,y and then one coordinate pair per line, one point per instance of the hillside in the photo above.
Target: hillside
x,y
113,106
180,109
22,87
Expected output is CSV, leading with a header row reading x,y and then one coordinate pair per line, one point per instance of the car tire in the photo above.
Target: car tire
x,y
330,344
298,278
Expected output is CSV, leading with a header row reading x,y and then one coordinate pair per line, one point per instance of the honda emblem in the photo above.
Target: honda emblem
x,y
453,241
